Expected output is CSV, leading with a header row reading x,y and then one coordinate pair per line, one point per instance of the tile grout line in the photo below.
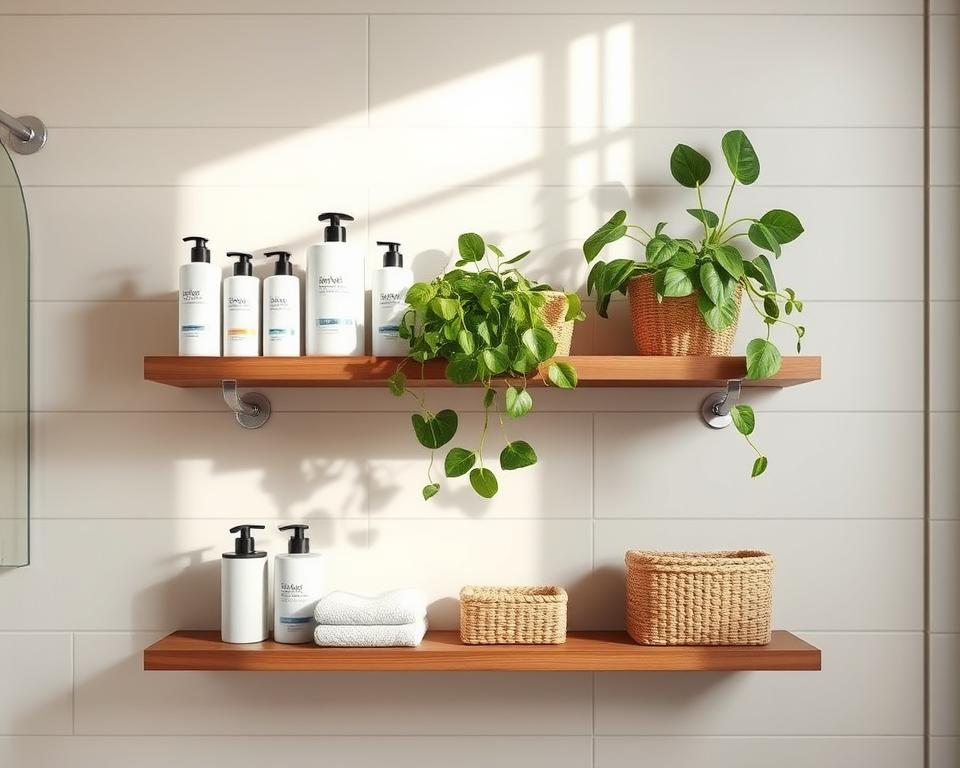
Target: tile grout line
x,y
926,493
73,683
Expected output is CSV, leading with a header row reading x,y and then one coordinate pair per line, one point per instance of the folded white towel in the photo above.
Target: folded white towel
x,y
401,606
369,636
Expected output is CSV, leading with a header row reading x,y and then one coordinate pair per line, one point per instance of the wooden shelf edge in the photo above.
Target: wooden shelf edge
x,y
189,650
593,371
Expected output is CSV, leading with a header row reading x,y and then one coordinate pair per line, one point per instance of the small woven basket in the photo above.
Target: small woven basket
x,y
699,598
675,326
513,615
553,314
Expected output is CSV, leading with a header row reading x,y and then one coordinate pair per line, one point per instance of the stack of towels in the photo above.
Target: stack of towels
x,y
356,621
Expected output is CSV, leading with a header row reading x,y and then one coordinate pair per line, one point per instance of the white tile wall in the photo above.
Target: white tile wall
x,y
758,752
528,122
256,751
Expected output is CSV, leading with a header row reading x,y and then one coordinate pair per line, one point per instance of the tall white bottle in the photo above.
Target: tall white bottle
x,y
241,309
281,309
334,293
389,292
199,315
297,585
243,590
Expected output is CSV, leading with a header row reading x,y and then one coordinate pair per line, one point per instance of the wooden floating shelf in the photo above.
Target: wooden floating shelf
x,y
593,371
443,651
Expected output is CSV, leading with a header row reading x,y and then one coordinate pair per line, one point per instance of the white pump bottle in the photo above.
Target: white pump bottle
x,y
297,585
335,295
281,310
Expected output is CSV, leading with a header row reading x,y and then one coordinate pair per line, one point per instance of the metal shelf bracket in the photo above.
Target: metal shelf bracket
x,y
716,407
252,409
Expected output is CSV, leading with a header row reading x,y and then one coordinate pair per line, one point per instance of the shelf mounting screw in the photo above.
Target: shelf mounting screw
x,y
717,405
252,409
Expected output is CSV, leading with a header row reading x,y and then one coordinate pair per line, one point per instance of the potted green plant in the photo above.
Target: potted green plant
x,y
685,295
493,326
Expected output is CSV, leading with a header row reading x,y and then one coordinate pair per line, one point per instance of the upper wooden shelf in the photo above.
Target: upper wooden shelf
x,y
443,651
593,371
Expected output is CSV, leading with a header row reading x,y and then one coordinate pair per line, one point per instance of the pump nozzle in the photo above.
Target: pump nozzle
x,y
393,257
244,544
298,543
334,233
245,265
284,267
199,251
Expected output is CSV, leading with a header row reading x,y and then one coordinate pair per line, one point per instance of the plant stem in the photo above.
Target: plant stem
x,y
703,218
483,432
637,240
726,203
734,237
637,226
732,224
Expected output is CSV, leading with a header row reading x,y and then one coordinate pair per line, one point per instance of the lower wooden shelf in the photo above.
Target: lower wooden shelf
x,y
443,651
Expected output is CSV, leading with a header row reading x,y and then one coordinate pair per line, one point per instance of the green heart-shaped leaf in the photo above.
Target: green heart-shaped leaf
x,y
688,166
444,308
673,282
761,236
741,157
710,283
471,246
419,295
467,344
730,260
763,359
661,249
573,307
562,375
397,383
462,369
612,230
743,419
484,482
436,431
760,270
429,491
539,343
459,461
703,215
518,402
759,466
717,316
517,455
783,225
495,360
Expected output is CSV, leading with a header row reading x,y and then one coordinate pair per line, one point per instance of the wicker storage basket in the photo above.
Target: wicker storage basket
x,y
674,326
553,314
524,615
699,598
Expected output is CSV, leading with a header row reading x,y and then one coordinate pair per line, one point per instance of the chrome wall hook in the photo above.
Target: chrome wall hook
x,y
252,409
716,407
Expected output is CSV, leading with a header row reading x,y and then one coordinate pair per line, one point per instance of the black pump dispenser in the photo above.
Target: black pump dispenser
x,y
298,544
244,545
393,257
284,267
199,252
333,232
242,267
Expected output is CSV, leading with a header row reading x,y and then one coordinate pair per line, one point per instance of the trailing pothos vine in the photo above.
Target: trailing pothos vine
x,y
485,319
712,267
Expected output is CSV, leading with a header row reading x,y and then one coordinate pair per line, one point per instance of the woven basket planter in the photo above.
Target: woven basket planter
x,y
553,314
675,326
513,615
699,598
